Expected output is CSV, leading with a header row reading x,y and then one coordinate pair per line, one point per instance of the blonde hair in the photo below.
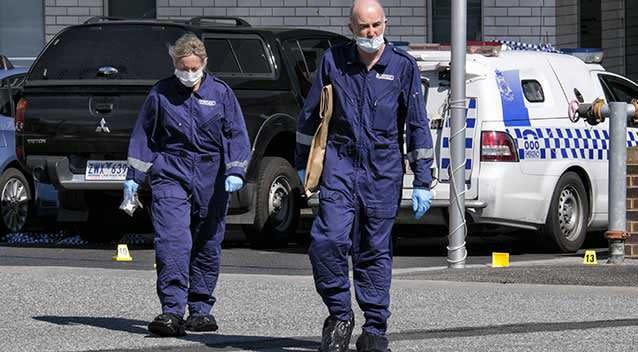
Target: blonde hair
x,y
186,45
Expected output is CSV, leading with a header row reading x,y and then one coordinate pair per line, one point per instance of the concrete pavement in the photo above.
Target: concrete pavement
x,y
80,309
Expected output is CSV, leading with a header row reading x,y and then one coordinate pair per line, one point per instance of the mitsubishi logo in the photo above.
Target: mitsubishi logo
x,y
102,128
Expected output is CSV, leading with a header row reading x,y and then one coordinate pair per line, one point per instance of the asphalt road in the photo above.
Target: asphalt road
x,y
69,296
413,250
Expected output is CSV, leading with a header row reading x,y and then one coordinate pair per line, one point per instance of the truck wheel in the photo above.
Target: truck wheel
x,y
15,198
277,203
566,222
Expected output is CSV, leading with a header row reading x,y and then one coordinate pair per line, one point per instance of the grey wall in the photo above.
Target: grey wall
x,y
407,17
531,21
553,21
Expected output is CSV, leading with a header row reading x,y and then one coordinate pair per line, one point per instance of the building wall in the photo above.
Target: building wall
x,y
407,17
552,21
613,25
61,13
531,21
567,23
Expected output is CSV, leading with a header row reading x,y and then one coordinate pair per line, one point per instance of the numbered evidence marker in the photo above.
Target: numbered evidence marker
x,y
122,254
590,257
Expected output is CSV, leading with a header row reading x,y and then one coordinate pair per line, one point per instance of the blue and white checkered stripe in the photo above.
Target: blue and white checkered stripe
x,y
471,120
565,143
514,45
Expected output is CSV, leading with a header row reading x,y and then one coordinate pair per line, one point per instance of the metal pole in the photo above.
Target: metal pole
x,y
456,245
617,181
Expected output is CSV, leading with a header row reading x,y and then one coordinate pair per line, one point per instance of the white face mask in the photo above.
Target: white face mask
x,y
188,78
369,45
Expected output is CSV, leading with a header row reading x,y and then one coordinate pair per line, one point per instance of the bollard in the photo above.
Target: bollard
x,y
618,114
457,228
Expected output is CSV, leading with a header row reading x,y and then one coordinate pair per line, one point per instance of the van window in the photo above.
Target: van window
x,y
533,91
136,51
621,90
236,57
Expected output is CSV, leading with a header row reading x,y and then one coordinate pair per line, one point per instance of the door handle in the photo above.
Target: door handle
x,y
104,108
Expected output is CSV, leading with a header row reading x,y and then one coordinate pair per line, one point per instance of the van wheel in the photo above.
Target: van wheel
x,y
566,222
15,198
277,204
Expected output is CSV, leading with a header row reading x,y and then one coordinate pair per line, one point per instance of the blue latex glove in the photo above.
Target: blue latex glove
x,y
130,188
302,175
233,183
421,201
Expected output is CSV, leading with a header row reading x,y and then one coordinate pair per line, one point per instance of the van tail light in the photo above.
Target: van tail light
x,y
498,146
21,109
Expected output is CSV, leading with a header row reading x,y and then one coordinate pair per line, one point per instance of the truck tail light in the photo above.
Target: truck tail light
x,y
498,146
21,109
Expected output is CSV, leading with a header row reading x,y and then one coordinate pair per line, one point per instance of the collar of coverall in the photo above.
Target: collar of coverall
x,y
353,54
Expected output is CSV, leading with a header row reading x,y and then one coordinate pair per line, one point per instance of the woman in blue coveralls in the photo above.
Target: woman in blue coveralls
x,y
190,143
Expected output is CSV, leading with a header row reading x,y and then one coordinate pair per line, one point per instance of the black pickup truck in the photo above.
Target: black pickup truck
x,y
83,93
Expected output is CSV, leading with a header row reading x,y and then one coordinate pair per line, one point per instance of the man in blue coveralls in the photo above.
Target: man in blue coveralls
x,y
190,141
377,96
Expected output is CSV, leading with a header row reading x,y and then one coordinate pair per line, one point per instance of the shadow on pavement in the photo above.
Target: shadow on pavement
x,y
522,328
211,340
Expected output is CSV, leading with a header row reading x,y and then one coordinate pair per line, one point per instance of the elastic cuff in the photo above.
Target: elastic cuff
x,y
236,171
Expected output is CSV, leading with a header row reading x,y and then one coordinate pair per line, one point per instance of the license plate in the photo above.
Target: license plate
x,y
106,170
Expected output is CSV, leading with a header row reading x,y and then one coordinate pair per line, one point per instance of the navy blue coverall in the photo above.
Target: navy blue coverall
x,y
187,143
360,189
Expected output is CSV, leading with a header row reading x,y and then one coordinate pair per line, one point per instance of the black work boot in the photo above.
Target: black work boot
x,y
167,324
336,334
201,323
372,343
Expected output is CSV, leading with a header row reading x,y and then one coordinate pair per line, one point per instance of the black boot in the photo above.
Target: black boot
x,y
372,343
336,334
201,323
167,324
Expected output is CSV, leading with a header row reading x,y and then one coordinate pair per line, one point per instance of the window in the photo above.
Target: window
x,y
312,50
10,88
620,89
590,24
5,99
236,57
136,51
533,91
132,9
442,20
306,55
21,30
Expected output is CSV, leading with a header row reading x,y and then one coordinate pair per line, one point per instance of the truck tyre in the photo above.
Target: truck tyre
x,y
15,197
566,223
277,204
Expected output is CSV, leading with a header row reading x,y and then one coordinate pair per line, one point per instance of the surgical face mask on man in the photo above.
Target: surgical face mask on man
x,y
189,79
369,45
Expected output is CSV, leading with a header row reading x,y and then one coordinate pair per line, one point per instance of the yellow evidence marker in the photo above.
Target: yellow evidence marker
x,y
590,258
500,260
122,254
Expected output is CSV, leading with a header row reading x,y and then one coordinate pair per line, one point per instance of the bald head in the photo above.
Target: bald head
x,y
366,7
367,18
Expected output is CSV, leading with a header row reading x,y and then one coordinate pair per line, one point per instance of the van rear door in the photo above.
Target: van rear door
x,y
437,84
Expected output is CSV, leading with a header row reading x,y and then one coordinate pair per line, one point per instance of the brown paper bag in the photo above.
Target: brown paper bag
x,y
314,167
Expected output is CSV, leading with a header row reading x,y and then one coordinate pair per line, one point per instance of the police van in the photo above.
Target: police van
x,y
527,165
